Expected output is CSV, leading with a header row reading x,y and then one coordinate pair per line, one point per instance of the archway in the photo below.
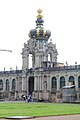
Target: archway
x,y
72,80
13,84
7,89
1,88
1,84
54,85
79,82
62,82
31,60
31,84
49,57
7,85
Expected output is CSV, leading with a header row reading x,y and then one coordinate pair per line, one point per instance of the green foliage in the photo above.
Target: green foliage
x,y
37,109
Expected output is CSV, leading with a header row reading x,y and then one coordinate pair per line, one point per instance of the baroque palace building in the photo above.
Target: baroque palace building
x,y
46,77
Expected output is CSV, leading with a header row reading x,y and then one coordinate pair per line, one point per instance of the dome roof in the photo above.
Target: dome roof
x,y
39,32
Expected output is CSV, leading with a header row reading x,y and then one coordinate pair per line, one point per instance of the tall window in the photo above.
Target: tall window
x,y
30,61
1,84
62,82
54,83
7,84
79,82
48,57
71,79
13,84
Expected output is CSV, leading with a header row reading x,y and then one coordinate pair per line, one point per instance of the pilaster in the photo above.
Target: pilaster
x,y
35,83
66,80
48,83
4,84
58,82
76,82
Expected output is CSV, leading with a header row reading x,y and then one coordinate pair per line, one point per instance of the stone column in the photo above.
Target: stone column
x,y
35,83
10,87
45,83
37,61
3,87
16,83
38,83
33,61
24,84
58,82
40,77
25,59
4,84
45,57
66,80
76,86
76,82
10,84
48,83
16,88
42,83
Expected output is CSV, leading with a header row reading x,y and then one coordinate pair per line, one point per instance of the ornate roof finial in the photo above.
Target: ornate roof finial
x,y
39,13
39,33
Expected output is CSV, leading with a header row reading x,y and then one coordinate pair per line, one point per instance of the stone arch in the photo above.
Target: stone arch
x,y
54,83
79,82
31,59
49,56
62,81
1,84
13,84
7,84
72,80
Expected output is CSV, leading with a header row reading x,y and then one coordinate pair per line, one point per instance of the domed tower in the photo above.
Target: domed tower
x,y
39,33
38,45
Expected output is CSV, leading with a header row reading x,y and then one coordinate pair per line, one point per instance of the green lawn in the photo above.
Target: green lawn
x,y
37,109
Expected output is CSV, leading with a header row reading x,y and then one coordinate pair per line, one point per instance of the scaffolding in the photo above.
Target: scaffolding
x,y
69,94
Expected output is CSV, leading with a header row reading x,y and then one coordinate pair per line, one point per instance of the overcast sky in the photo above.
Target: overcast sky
x,y
17,18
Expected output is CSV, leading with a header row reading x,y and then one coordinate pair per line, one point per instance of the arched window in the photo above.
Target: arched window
x,y
7,84
13,84
30,61
79,82
71,80
49,57
62,82
54,83
1,84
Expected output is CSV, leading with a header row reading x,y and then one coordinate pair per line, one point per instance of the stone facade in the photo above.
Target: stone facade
x,y
44,81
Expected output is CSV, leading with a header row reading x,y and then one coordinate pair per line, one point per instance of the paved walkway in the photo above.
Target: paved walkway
x,y
67,117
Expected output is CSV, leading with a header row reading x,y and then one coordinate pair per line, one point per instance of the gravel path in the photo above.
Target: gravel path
x,y
67,117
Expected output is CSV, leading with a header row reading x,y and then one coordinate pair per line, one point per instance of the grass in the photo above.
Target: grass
x,y
37,109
